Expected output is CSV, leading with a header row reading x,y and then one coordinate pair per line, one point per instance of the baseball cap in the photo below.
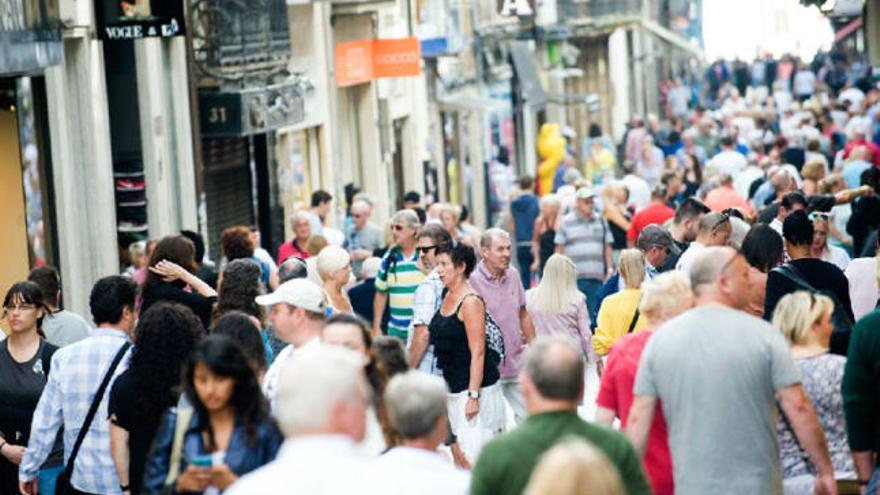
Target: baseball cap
x,y
299,292
585,192
655,235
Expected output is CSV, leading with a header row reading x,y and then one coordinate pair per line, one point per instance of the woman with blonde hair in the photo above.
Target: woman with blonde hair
x,y
334,267
614,198
557,307
663,298
574,467
822,249
619,313
805,321
544,236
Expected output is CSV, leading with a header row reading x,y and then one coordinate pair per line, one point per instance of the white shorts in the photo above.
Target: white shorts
x,y
473,434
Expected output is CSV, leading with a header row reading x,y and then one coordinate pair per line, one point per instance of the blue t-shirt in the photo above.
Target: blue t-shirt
x,y
525,210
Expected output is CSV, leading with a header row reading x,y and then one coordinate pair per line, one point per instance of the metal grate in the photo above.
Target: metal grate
x,y
576,10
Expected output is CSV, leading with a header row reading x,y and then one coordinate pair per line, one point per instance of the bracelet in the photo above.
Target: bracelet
x,y
863,482
125,488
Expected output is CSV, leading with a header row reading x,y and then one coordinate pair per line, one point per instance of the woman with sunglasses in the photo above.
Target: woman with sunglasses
x,y
805,321
821,248
24,367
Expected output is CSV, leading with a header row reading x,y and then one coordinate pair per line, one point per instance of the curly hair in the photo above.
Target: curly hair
x,y
224,358
238,289
165,336
236,243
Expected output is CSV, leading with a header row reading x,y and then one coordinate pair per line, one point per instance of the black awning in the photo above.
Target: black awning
x,y
523,61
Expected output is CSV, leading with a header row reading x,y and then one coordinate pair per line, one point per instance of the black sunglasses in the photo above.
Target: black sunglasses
x,y
426,249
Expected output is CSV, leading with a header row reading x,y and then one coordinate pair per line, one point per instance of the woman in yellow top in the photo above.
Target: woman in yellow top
x,y
618,310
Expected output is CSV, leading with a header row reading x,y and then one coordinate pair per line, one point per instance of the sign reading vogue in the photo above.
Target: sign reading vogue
x,y
362,61
133,19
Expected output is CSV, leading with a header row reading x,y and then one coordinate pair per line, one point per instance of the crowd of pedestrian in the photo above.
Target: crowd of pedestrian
x,y
692,311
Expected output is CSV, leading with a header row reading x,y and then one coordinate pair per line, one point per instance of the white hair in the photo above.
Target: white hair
x,y
331,259
312,383
415,402
370,267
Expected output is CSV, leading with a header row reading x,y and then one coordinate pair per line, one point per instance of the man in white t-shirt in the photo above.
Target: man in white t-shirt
x,y
715,229
297,315
728,160
416,404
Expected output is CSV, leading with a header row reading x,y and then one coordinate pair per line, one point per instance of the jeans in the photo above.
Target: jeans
x,y
875,481
590,287
48,477
524,259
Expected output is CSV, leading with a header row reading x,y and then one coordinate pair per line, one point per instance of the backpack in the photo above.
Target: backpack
x,y
842,323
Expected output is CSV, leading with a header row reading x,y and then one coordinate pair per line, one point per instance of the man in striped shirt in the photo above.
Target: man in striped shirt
x,y
584,236
398,277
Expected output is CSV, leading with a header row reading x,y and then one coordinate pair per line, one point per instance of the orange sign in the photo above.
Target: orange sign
x,y
361,61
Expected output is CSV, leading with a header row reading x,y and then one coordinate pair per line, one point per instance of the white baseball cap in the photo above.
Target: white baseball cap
x,y
299,292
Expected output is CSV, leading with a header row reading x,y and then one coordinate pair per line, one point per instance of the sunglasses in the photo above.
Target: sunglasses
x,y
426,249
818,215
725,217
397,228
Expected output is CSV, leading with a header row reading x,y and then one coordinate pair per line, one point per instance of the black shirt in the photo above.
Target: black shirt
x,y
173,292
124,413
21,384
449,337
822,275
672,259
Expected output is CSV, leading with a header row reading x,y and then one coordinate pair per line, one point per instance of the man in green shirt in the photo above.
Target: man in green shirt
x,y
861,398
552,383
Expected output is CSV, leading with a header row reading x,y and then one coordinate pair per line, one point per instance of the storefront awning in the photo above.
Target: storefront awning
x,y
472,102
526,70
672,38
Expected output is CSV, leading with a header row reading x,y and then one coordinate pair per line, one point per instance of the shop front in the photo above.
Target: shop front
x,y
30,42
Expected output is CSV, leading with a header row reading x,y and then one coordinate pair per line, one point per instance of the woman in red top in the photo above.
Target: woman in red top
x,y
302,232
663,298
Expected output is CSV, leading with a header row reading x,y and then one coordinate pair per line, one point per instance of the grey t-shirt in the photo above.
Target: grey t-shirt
x,y
716,371
65,327
370,238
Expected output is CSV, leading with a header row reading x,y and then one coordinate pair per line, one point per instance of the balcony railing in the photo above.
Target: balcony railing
x,y
234,40
581,10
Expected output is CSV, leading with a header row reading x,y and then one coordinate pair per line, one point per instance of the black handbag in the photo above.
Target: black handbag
x,y
62,484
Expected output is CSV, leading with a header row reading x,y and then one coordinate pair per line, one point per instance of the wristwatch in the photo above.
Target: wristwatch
x,y
473,394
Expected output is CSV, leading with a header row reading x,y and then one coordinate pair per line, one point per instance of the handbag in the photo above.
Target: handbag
x,y
844,487
62,485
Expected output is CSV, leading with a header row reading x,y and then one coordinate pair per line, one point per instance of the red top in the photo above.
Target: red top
x,y
724,197
616,393
289,249
875,150
652,213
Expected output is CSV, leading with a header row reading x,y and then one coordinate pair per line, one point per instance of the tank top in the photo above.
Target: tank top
x,y
546,245
449,338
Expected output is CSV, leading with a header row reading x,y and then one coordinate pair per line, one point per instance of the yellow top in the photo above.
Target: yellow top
x,y
614,319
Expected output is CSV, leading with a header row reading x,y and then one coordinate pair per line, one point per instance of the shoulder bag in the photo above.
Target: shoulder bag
x,y
62,485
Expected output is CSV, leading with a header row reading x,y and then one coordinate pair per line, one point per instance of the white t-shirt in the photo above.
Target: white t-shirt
x,y
639,191
411,471
689,256
804,82
270,382
729,162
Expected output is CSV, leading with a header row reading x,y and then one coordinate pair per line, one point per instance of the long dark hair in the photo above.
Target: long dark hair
x,y
238,326
27,292
165,336
239,289
223,357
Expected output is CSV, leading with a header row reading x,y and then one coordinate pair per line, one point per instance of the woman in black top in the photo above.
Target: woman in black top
x,y
164,338
458,333
172,268
544,236
24,368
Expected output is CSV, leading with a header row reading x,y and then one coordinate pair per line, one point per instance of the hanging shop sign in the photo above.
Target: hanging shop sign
x,y
250,111
361,61
134,19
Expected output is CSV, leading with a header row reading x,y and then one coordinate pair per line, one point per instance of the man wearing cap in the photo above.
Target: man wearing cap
x,y
658,245
297,315
586,239
656,212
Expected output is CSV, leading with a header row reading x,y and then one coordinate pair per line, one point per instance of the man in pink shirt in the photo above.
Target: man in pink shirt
x,y
500,287
725,196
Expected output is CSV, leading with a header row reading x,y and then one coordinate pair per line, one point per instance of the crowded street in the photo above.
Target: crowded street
x,y
440,247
